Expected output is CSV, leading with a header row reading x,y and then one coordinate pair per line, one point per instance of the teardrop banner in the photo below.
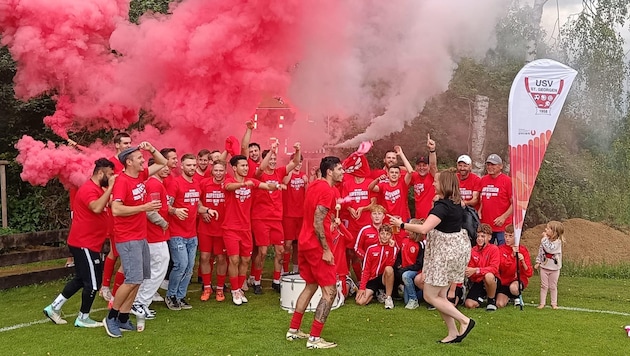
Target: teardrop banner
x,y
536,99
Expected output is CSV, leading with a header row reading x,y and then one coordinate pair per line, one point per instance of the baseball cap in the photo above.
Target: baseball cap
x,y
422,159
122,156
494,159
464,158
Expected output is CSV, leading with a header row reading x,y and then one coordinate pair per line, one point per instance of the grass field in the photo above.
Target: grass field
x,y
258,328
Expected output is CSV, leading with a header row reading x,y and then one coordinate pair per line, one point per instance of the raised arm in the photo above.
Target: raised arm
x,y
401,154
97,206
160,161
374,184
296,157
247,136
432,156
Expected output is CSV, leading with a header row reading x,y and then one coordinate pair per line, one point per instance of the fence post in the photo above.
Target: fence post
x,y
3,192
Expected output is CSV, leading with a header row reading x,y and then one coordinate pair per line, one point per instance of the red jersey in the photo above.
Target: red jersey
x,y
118,166
468,186
361,196
238,206
268,204
495,199
394,199
155,233
253,167
293,197
318,193
377,173
185,194
423,193
409,250
213,197
87,226
487,259
507,266
131,192
367,237
199,177
377,257
72,193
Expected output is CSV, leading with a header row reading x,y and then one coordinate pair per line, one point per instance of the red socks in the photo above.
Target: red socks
x,y
118,281
316,329
234,283
220,281
108,271
296,320
286,258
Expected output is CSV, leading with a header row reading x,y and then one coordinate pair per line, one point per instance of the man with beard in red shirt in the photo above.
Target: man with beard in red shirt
x,y
293,213
267,215
315,254
211,243
251,150
237,226
130,231
469,182
85,241
422,181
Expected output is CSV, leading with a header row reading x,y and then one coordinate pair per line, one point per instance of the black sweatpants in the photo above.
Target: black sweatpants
x,y
88,275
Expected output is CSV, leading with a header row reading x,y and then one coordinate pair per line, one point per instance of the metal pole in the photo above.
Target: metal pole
x,y
3,191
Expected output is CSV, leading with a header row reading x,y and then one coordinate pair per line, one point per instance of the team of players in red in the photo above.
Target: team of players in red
x,y
236,211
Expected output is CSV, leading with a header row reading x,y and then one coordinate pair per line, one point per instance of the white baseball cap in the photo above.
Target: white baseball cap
x,y
464,158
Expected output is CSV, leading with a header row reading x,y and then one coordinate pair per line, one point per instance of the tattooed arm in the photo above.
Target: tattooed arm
x,y
320,215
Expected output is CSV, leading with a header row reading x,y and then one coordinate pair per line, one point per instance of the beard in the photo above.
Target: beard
x,y
104,182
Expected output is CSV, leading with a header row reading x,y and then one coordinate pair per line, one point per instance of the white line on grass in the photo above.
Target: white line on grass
x,y
586,310
24,325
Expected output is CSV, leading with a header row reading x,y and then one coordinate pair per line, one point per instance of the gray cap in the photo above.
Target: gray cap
x,y
122,156
494,159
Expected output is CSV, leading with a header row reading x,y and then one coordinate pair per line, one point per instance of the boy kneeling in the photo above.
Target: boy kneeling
x,y
378,270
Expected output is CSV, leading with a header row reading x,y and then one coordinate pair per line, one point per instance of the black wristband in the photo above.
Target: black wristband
x,y
432,151
402,226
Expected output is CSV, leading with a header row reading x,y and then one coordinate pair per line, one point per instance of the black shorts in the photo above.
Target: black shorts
x,y
375,284
477,292
506,290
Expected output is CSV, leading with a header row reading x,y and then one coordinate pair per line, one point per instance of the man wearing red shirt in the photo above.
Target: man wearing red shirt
x,y
267,215
85,241
392,194
368,235
315,253
293,213
422,181
469,183
185,205
483,270
378,269
237,227
496,199
157,237
203,162
122,141
130,231
390,160
210,233
250,150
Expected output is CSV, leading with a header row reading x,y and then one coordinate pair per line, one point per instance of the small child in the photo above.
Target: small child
x,y
549,259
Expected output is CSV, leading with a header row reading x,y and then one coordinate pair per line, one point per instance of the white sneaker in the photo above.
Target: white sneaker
x,y
243,297
106,293
54,315
149,314
236,297
296,335
138,310
491,307
389,303
517,302
245,285
412,304
319,344
87,323
157,297
164,284
380,296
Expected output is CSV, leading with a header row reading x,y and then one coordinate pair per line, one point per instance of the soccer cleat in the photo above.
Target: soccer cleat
x,y
236,297
184,304
54,315
157,297
389,303
412,304
352,287
491,307
87,323
258,289
111,327
207,292
128,326
296,335
149,314
172,303
430,307
138,310
106,293
319,344
243,297
276,287
220,296
380,296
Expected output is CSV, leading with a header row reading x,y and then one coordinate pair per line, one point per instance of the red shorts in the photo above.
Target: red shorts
x,y
292,227
315,270
238,243
211,244
267,232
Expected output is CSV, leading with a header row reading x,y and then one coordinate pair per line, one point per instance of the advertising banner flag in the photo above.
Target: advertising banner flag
x,y
536,99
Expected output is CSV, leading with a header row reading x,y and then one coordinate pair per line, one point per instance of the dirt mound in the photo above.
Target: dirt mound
x,y
585,242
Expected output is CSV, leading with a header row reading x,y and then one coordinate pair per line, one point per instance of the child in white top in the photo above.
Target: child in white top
x,y
549,260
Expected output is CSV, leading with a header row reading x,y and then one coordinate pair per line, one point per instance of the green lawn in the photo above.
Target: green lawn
x,y
258,328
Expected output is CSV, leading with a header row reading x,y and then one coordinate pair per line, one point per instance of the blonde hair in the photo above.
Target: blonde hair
x,y
558,230
416,236
377,208
449,185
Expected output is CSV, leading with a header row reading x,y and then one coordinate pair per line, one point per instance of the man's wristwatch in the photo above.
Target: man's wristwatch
x,y
402,226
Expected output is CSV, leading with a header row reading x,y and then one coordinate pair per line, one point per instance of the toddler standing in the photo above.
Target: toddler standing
x,y
549,260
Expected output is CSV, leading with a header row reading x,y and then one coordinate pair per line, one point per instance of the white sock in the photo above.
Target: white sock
x,y
83,316
295,269
256,283
276,281
59,301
